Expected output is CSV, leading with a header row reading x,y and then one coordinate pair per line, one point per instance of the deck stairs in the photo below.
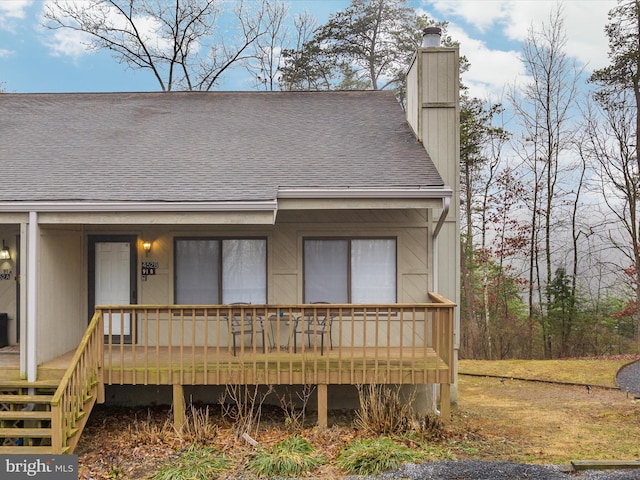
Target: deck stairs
x,y
25,416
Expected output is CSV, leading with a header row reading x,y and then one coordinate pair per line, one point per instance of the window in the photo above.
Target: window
x,y
210,271
350,270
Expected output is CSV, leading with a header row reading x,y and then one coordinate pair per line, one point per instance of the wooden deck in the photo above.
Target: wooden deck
x,y
308,344
188,366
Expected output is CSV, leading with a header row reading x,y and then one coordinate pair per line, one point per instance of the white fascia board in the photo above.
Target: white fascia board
x,y
80,207
326,193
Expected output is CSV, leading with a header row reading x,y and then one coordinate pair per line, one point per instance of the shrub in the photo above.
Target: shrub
x,y
290,458
151,431
245,407
194,464
198,427
295,411
383,411
371,457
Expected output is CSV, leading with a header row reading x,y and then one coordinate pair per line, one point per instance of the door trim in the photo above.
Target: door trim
x,y
18,277
133,294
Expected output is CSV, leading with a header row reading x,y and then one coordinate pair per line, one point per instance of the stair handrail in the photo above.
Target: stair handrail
x,y
83,381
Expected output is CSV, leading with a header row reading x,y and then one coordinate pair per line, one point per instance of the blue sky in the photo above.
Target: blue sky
x,y
490,33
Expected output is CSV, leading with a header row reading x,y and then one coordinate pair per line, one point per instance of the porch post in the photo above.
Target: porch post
x,y
32,297
322,406
24,229
178,407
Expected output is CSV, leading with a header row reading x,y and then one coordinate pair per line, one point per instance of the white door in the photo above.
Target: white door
x,y
113,283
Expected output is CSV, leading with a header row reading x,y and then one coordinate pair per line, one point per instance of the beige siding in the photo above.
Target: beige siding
x,y
412,99
441,137
62,315
412,287
156,289
449,268
439,75
439,129
284,288
433,90
285,267
11,218
382,218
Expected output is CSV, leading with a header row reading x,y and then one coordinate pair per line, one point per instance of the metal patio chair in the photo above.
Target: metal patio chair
x,y
317,323
246,324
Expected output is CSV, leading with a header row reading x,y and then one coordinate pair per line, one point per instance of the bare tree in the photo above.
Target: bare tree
x,y
481,142
266,61
614,138
179,41
544,108
611,136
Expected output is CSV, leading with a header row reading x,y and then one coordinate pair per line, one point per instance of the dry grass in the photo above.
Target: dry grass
x,y
545,423
514,420
584,371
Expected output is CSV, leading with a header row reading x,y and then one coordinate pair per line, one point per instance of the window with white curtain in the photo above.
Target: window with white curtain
x,y
211,271
361,270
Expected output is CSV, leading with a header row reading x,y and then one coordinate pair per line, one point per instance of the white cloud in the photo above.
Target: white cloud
x,y
64,41
513,19
11,11
584,24
586,39
14,8
485,27
68,42
491,70
482,14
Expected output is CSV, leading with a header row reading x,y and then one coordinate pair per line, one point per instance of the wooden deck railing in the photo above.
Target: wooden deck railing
x,y
81,386
194,344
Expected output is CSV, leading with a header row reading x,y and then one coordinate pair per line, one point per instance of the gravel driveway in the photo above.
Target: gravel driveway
x,y
477,470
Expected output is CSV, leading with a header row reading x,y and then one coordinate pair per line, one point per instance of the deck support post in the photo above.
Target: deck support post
x,y
179,410
56,430
445,402
322,405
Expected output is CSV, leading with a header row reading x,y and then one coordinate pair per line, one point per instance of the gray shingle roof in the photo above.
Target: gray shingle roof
x,y
218,146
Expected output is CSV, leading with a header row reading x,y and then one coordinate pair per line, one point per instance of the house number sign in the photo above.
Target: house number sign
x,y
149,268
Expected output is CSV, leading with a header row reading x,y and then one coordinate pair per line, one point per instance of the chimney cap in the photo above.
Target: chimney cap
x,y
431,36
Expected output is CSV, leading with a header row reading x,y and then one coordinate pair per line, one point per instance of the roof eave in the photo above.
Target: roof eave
x,y
81,207
368,193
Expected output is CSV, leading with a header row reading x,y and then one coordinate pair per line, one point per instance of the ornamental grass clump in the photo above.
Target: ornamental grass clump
x,y
196,463
292,457
371,457
383,410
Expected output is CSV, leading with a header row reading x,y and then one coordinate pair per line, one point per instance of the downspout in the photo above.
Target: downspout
x,y
446,203
32,260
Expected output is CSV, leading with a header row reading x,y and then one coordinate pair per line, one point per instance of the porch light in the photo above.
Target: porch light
x,y
5,254
146,246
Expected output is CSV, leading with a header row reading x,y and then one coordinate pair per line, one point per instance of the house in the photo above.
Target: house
x,y
185,239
